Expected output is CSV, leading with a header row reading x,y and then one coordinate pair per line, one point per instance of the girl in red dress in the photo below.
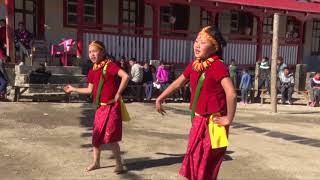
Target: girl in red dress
x,y
217,96
107,127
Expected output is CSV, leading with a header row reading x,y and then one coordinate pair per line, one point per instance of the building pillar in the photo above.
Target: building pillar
x,y
10,29
300,77
259,37
80,20
301,39
216,19
156,31
41,19
275,55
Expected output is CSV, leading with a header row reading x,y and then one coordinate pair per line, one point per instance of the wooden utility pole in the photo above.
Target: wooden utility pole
x,y
275,47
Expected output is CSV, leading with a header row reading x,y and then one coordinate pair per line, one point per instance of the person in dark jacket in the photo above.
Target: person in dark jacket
x,y
147,81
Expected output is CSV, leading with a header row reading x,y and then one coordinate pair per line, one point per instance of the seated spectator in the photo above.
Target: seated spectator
x,y
245,86
286,86
3,40
136,72
153,70
172,73
147,81
162,77
136,79
123,64
3,81
315,85
23,40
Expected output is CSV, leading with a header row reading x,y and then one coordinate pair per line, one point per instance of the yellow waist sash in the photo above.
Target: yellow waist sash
x,y
124,112
218,134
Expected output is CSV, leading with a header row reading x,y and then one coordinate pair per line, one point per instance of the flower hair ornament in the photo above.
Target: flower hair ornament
x,y
205,34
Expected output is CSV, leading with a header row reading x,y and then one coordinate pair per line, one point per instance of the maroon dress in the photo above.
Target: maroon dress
x,y
201,162
107,126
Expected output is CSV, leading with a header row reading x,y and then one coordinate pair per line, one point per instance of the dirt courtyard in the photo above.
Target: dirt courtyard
x,y
53,141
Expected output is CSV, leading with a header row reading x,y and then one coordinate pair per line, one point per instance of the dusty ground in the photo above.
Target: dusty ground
x,y
53,141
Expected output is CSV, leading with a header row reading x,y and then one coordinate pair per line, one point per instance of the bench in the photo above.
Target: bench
x,y
265,96
251,93
135,92
306,96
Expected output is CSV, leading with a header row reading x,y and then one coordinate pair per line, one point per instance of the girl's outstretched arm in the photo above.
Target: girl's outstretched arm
x,y
180,81
88,90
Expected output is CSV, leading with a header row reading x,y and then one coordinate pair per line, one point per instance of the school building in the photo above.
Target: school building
x,y
165,29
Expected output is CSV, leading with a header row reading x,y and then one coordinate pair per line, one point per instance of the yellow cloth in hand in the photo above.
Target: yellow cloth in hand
x,y
218,134
124,112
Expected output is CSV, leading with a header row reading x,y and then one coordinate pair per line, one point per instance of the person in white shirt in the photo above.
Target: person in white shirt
x,y
286,86
315,85
281,66
136,72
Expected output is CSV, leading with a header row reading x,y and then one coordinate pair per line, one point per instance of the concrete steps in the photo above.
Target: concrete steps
x,y
60,76
56,79
69,70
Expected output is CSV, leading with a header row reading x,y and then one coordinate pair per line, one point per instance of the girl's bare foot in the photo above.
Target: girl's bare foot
x,y
119,169
93,167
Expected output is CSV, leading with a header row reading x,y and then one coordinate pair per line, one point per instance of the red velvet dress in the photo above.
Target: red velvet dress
x,y
201,162
107,126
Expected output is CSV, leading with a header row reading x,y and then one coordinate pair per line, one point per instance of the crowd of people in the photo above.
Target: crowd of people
x,y
154,78
285,82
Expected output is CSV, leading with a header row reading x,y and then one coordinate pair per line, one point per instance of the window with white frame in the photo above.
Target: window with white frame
x,y
89,10
267,25
174,17
292,27
315,48
241,23
129,11
166,17
234,24
205,18
132,15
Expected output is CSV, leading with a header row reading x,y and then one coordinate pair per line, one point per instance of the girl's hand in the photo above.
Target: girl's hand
x,y
159,108
68,88
117,97
222,121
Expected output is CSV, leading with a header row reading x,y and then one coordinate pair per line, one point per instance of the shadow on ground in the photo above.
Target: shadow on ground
x,y
277,134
